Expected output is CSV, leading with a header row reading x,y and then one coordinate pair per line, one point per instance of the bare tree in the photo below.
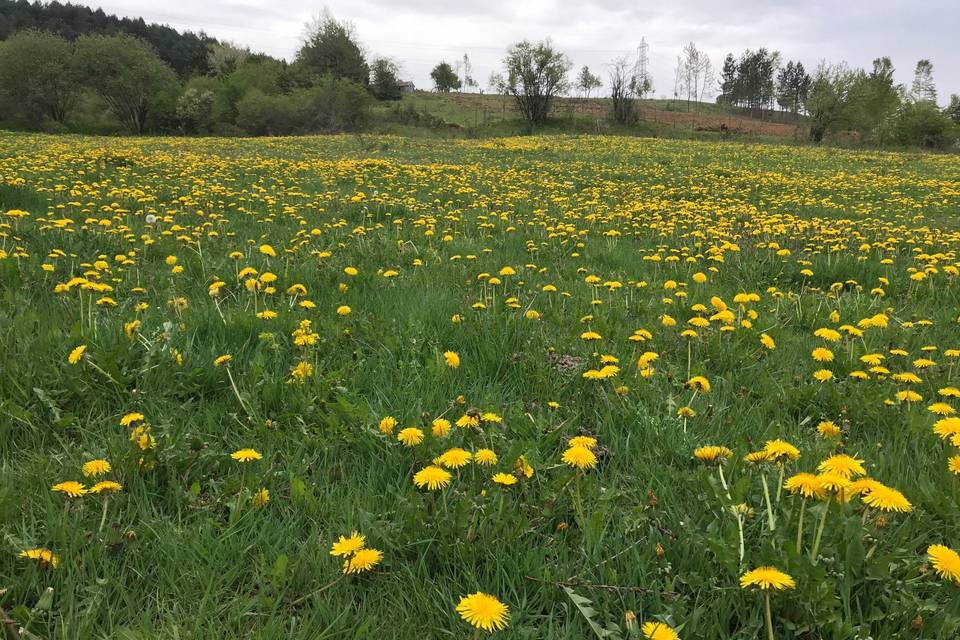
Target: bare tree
x,y
622,90
630,81
694,73
535,75
678,79
709,80
468,80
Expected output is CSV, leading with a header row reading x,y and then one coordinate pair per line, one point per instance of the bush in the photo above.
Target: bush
x,y
408,114
339,104
923,124
195,109
272,115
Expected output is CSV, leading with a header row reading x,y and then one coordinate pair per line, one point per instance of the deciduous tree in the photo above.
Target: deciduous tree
x,y
534,74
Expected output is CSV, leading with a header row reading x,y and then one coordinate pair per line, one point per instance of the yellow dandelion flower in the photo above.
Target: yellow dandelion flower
x,y
953,465
658,631
485,457
440,427
70,488
842,465
95,468
806,484
106,486
131,419
712,453
484,611
261,498
582,441
246,455
411,436
580,457
822,355
822,375
941,409
44,557
468,420
767,578
453,458
887,499
77,353
387,425
363,560
945,561
780,450
828,429
452,359
348,546
432,477
757,457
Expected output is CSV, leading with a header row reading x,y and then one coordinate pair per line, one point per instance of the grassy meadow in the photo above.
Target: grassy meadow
x,y
599,379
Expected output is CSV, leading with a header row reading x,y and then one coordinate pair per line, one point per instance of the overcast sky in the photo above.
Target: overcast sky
x,y
419,33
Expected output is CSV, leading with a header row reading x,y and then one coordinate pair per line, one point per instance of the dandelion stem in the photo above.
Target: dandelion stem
x,y
236,392
780,483
766,496
803,508
317,592
103,518
733,509
723,481
819,536
578,501
766,609
110,377
739,531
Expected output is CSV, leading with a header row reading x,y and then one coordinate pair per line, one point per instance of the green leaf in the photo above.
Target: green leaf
x,y
583,606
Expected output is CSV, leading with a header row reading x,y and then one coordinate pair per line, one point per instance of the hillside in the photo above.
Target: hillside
x,y
482,113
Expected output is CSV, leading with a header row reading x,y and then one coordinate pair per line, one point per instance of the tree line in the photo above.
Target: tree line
x,y
186,53
64,67
835,100
103,83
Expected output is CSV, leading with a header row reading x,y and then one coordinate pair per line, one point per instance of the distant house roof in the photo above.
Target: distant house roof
x,y
406,85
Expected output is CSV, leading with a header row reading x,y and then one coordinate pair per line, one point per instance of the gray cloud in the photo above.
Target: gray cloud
x,y
419,33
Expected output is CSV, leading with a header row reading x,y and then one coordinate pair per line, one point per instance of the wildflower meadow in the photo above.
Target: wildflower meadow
x,y
539,387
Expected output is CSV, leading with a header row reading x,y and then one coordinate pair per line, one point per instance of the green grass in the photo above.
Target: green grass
x,y
184,553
